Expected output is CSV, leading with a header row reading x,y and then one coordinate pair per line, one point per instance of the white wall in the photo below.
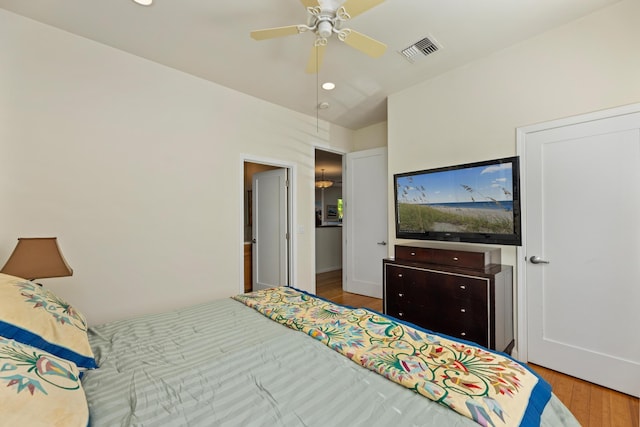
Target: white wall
x,y
471,113
137,169
328,249
374,136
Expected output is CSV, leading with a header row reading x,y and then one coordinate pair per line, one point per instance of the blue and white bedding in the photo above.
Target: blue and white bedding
x,y
43,346
224,364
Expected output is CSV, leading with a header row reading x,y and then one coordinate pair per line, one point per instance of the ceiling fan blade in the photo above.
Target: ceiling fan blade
x,y
365,44
270,33
356,7
315,59
309,3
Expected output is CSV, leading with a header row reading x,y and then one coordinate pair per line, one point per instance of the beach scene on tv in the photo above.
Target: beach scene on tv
x,y
475,200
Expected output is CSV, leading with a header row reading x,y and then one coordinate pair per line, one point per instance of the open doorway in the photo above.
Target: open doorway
x,y
328,213
363,224
267,247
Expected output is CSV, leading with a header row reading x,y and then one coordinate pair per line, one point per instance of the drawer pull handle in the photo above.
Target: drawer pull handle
x,y
399,274
463,334
400,295
400,314
463,310
463,287
455,258
413,254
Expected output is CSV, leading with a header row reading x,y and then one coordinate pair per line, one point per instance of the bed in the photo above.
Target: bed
x,y
244,361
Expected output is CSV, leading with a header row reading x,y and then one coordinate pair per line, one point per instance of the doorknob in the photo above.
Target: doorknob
x,y
537,260
383,243
253,240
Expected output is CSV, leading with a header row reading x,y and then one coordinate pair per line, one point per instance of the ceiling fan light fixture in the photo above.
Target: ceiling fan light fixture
x,y
325,29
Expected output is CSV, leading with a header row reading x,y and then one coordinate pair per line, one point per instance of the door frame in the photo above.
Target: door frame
x,y
521,350
291,212
342,243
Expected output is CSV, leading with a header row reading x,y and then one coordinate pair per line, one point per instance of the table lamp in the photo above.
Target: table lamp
x,y
37,258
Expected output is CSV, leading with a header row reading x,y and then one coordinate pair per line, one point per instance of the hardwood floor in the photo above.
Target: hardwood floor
x,y
592,405
329,286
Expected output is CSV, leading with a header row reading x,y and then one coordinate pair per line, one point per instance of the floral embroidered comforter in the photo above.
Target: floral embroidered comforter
x,y
487,387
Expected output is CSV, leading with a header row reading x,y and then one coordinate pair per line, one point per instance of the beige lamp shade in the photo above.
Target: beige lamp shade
x,y
37,258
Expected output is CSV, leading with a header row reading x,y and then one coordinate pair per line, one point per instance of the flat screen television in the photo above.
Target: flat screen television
x,y
474,202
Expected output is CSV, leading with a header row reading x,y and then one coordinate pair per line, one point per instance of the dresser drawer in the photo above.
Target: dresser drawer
x,y
397,299
408,311
477,258
402,279
469,323
412,253
461,288
459,258
477,332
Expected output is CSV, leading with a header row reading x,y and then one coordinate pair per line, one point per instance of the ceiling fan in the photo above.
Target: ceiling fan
x,y
325,18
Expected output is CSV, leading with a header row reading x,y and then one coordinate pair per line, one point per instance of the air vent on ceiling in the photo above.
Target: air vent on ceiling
x,y
426,46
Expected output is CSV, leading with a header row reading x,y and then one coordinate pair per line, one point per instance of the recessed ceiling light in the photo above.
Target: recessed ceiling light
x,y
144,2
323,105
328,86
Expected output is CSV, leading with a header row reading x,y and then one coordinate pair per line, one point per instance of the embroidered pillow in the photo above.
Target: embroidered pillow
x,y
35,316
38,389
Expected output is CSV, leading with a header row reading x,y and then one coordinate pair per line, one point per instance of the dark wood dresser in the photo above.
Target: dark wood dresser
x,y
461,291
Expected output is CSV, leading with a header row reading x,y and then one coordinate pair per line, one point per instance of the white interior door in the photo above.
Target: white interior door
x,y
270,229
365,221
581,181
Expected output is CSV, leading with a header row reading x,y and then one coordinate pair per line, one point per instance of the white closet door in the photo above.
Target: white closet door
x,y
581,186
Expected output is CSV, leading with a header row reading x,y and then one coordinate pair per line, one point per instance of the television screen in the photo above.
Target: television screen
x,y
476,202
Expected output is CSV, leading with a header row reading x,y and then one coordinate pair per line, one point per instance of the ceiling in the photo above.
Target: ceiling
x,y
210,39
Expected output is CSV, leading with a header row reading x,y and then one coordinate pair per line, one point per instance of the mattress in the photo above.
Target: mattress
x,y
224,364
